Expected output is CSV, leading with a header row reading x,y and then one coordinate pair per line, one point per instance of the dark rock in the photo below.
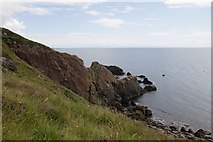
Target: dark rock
x,y
125,101
173,128
115,70
139,81
200,133
146,81
183,129
133,103
191,131
141,76
150,88
148,113
163,74
128,74
8,64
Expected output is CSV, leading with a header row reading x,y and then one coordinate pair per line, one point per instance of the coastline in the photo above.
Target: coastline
x,y
96,84
183,131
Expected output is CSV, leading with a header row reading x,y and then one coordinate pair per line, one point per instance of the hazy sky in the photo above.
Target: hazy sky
x,y
165,23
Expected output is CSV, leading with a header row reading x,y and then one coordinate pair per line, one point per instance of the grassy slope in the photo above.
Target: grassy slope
x,y
35,107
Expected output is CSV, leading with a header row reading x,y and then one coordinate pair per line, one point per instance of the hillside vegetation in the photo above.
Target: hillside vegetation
x,y
35,107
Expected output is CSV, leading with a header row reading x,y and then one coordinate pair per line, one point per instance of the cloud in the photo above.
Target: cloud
x,y
15,25
126,9
188,3
110,22
92,12
9,10
36,10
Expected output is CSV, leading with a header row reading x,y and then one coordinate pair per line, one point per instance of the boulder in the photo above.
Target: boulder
x,y
200,133
115,70
128,74
173,128
183,129
139,81
129,88
163,75
146,81
190,131
150,88
8,64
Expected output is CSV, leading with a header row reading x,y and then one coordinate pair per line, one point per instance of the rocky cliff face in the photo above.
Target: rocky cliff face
x,y
68,70
97,84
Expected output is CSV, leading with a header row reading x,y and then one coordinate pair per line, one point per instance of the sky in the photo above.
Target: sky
x,y
103,24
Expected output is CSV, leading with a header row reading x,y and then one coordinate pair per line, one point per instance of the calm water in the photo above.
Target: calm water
x,y
183,95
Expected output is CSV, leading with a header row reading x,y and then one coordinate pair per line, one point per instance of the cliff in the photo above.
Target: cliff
x,y
96,84
34,107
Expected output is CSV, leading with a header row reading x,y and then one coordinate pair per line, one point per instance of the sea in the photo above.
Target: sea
x,y
183,96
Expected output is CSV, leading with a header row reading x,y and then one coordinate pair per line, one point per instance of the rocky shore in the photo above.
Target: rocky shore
x,y
99,84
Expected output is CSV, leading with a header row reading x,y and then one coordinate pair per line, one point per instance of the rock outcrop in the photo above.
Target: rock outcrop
x,y
115,70
98,84
128,88
150,88
102,81
111,90
146,81
68,70
8,64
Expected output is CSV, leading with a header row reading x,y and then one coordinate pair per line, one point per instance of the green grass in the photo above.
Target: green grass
x,y
35,107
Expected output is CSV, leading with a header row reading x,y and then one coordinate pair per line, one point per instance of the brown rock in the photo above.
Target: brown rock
x,y
67,70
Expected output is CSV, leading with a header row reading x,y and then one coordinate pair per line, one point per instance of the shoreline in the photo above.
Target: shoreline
x,y
183,131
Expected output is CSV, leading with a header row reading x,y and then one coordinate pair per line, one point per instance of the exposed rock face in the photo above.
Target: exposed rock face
x,y
68,70
8,64
115,70
103,81
97,84
111,90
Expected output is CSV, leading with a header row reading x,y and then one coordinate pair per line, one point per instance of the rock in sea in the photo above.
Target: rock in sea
x,y
146,81
115,70
150,88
